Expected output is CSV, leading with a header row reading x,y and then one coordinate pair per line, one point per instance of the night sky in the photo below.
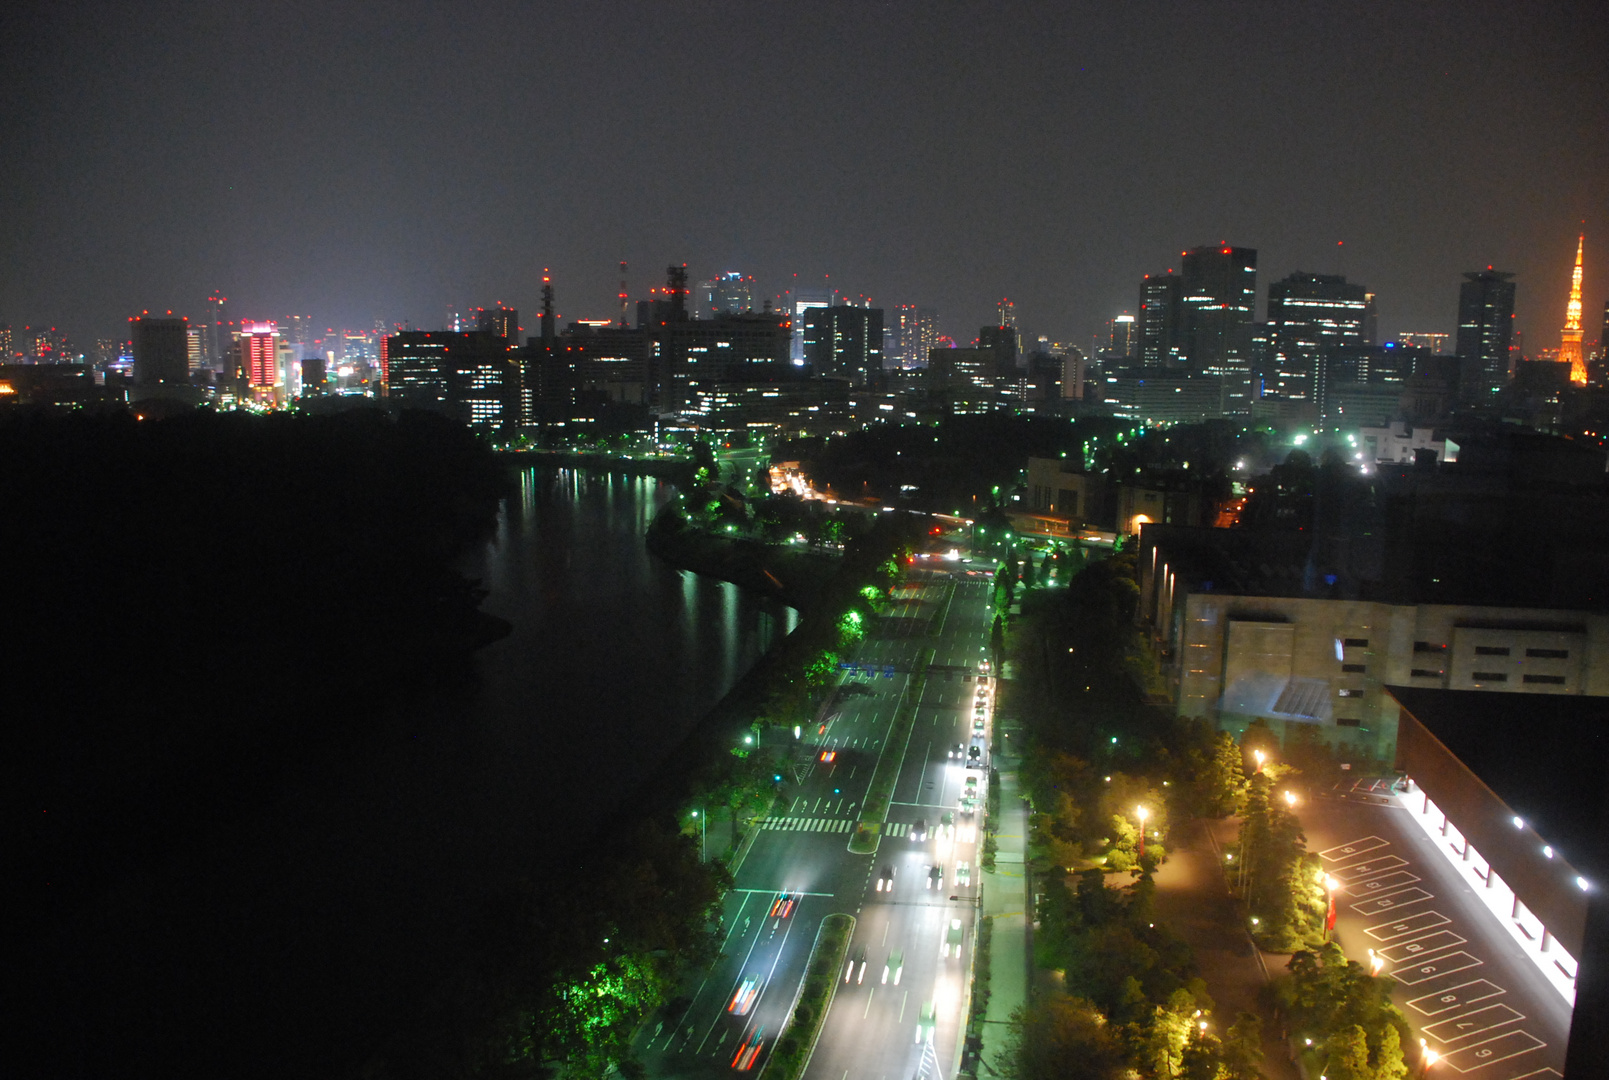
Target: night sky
x,y
355,161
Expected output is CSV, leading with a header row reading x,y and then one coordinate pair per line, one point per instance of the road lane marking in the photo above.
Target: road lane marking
x,y
1355,847
868,1010
1435,969
1483,1019
1500,1048
1383,886
1376,905
1425,920
1456,997
1429,945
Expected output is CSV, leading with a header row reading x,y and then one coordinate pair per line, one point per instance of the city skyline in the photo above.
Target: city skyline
x,y
1357,148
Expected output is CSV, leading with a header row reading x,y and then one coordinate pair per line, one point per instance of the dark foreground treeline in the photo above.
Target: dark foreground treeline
x,y
195,610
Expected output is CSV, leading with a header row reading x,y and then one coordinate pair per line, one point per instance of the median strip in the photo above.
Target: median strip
x,y
874,809
798,1039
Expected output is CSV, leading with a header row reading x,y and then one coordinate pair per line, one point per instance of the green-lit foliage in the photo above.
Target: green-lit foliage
x,y
1346,1011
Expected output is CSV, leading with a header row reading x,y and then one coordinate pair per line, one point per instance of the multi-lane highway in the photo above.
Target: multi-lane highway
x,y
799,868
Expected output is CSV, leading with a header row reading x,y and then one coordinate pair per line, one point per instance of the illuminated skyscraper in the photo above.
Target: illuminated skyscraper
x,y
502,321
259,355
1121,337
1159,344
1485,331
1219,294
846,342
1570,341
724,294
1308,313
219,342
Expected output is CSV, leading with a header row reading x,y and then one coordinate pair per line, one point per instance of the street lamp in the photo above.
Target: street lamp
x,y
1142,813
1427,1058
1260,756
1376,962
1330,885
1290,799
701,854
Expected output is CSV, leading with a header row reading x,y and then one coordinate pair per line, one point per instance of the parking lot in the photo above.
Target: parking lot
x,y
1467,992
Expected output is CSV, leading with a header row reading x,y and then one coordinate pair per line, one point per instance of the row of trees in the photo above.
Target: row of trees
x,y
1359,1031
1132,999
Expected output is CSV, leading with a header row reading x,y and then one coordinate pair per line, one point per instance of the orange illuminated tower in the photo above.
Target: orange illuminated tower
x,y
1570,345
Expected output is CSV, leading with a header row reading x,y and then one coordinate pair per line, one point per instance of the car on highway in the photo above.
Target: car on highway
x,y
749,1051
895,967
885,879
856,970
963,874
974,756
926,1023
747,993
935,876
952,939
977,725
970,790
947,825
828,757
919,830
957,751
783,905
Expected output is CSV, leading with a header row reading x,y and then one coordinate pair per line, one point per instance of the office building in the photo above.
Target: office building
x,y
1219,294
1436,344
725,294
258,365
501,322
469,376
845,342
798,302
1146,396
1160,321
910,333
1485,332
1003,341
1313,311
1121,336
161,352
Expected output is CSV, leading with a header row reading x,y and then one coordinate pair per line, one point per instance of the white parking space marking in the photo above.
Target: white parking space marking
x,y
1432,969
1456,997
1356,847
1429,945
1463,1027
1382,886
1368,868
1503,1047
1538,1073
1413,924
1377,905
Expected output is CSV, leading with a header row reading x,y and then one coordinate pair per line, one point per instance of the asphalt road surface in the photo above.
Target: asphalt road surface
x,y
1462,982
871,1030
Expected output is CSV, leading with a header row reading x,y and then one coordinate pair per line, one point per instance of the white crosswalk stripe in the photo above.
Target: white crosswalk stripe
x,y
803,824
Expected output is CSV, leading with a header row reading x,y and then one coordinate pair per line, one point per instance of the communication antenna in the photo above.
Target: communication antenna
x,y
623,295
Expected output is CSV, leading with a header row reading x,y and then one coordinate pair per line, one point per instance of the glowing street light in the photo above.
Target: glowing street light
x,y
1330,885
1142,813
1376,962
1261,757
1290,799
